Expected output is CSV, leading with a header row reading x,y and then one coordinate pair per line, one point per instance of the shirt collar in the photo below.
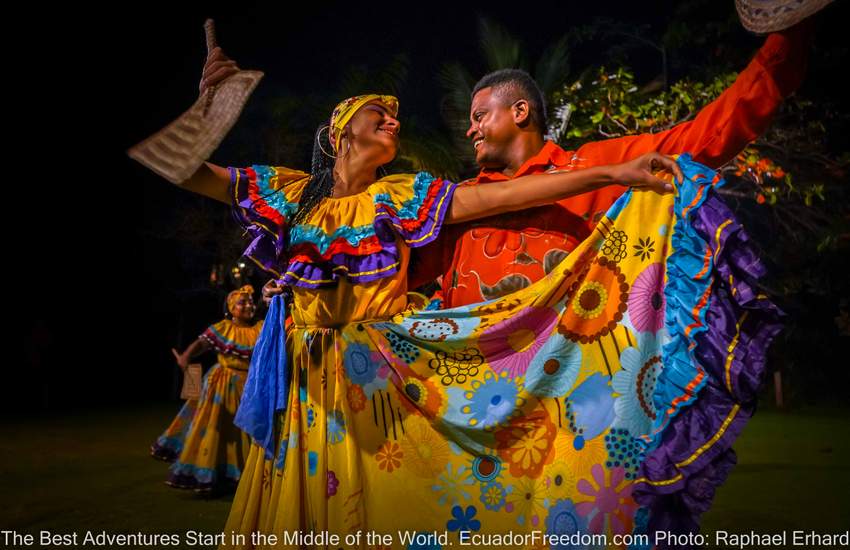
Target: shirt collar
x,y
549,156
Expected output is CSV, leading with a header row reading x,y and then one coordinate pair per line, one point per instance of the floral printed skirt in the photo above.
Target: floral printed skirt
x,y
206,449
167,446
583,406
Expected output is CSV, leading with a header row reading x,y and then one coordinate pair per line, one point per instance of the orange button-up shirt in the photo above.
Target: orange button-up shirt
x,y
493,256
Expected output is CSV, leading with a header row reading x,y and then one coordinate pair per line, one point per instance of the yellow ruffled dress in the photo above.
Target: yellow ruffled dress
x,y
207,450
545,413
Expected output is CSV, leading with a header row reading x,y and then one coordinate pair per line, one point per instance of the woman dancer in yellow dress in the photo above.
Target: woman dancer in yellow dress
x,y
522,421
362,437
207,449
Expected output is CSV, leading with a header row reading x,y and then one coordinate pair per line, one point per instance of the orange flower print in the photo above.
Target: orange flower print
x,y
526,443
389,456
356,397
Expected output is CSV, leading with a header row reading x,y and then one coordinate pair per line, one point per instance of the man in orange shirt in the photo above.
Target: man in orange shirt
x,y
494,256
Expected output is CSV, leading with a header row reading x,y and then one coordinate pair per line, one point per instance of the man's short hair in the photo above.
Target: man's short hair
x,y
513,85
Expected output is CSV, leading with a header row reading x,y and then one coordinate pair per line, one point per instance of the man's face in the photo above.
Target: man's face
x,y
492,128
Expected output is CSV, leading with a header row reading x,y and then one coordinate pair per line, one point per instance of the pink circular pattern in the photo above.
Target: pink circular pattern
x,y
495,342
646,301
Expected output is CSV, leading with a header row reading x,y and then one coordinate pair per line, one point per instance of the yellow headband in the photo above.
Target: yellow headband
x,y
345,110
233,296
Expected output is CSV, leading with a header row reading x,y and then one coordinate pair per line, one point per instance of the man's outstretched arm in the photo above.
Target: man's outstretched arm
x,y
724,127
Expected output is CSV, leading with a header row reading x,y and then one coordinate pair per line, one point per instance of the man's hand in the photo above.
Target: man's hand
x,y
217,68
641,172
270,290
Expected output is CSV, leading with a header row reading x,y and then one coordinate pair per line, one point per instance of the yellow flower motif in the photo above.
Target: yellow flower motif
x,y
426,452
580,461
561,480
590,300
528,501
422,397
492,496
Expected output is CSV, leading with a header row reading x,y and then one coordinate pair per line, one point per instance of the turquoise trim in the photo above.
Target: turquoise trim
x,y
228,341
275,198
410,208
206,475
315,236
619,204
688,281
171,443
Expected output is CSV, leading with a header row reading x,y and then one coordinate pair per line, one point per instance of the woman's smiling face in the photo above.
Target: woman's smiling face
x,y
243,309
373,131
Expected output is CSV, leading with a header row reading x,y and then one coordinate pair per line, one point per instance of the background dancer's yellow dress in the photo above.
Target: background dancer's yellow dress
x,y
207,450
527,415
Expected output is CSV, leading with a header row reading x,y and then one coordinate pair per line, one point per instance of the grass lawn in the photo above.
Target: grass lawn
x,y
793,472
91,471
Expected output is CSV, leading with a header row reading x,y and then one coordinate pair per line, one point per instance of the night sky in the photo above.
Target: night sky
x,y
108,286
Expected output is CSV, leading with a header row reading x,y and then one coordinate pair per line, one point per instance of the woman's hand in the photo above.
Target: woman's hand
x,y
182,361
270,290
641,172
217,68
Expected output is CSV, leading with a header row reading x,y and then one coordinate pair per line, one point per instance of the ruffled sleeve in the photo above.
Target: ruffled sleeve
x,y
414,208
264,199
346,238
228,339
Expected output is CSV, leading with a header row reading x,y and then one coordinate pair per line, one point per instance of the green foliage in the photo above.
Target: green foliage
x,y
501,49
606,103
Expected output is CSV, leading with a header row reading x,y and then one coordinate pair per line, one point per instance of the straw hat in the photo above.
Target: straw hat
x,y
764,16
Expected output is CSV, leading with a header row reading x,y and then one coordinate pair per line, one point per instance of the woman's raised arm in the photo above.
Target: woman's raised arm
x,y
212,180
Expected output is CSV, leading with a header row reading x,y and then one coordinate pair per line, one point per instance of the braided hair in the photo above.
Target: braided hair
x,y
321,182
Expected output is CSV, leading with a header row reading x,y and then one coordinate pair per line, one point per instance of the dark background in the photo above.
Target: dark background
x,y
106,275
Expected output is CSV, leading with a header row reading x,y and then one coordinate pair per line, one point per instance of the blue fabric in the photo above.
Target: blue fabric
x,y
687,282
268,380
